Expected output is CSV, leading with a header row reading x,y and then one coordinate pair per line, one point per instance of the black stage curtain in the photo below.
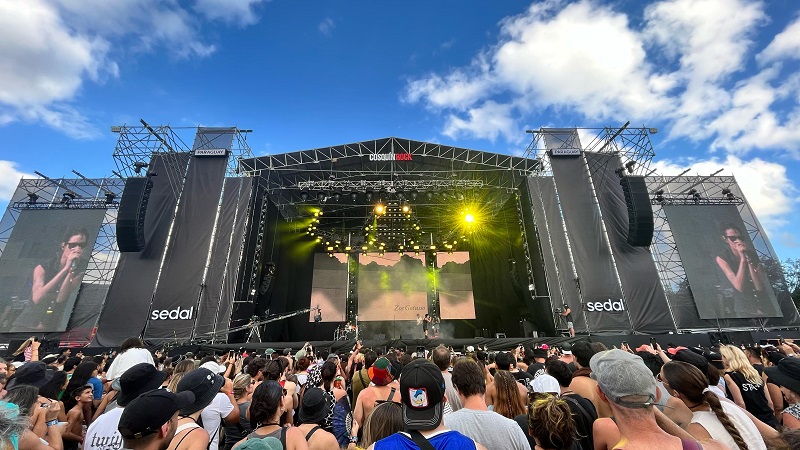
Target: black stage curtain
x,y
128,302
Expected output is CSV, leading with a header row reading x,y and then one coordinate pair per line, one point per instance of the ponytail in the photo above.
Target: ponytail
x,y
711,399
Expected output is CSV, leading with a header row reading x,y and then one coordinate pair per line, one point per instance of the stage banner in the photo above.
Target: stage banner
x,y
454,284
175,302
392,287
84,315
641,286
549,224
128,303
42,267
212,299
727,274
597,279
329,287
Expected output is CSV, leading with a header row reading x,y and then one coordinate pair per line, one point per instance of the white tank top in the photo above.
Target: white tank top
x,y
746,427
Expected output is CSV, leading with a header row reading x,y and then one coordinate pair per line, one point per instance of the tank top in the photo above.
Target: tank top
x,y
743,424
279,434
755,401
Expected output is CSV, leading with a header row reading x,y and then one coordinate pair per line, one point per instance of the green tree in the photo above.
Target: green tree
x,y
791,272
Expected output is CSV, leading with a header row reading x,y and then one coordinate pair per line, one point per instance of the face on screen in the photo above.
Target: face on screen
x,y
73,246
734,239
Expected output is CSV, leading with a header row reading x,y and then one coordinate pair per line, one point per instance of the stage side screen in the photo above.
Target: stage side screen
x,y
726,273
329,287
392,287
42,267
454,283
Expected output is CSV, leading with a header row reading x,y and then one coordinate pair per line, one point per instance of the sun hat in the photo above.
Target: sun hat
x,y
381,372
624,378
141,378
315,407
786,373
147,413
203,384
422,392
32,373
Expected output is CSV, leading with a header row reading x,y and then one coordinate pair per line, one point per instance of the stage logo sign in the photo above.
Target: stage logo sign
x,y
390,157
606,306
173,314
211,152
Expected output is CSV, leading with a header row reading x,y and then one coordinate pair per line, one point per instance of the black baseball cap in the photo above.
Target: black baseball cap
x,y
141,378
422,392
147,413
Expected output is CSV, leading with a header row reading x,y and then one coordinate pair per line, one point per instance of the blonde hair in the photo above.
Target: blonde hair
x,y
187,365
738,362
240,384
550,421
28,342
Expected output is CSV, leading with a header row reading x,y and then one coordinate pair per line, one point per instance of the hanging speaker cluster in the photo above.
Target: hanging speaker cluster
x,y
640,212
132,209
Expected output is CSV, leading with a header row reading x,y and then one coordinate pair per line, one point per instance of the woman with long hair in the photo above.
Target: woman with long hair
x,y
711,418
551,424
187,365
266,409
29,350
507,402
54,390
745,385
243,387
386,419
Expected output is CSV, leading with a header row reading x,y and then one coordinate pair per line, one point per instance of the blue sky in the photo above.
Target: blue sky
x,y
718,78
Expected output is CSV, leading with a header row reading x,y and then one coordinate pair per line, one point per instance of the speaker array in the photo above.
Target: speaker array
x,y
132,209
640,212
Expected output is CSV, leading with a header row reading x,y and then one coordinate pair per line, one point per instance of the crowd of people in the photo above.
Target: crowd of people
x,y
579,396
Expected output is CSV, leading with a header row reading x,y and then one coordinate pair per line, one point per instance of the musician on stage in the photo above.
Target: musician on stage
x,y
435,325
425,321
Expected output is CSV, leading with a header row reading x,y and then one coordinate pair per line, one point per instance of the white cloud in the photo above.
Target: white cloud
x,y
9,179
238,12
765,184
487,121
785,45
326,26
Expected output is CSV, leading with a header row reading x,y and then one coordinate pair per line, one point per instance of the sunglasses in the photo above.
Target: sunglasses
x,y
72,245
734,238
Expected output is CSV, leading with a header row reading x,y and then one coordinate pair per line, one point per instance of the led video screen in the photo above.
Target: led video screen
x,y
329,287
392,287
454,283
729,278
42,267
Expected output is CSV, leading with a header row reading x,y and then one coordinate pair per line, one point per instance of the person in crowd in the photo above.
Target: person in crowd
x,y
205,385
54,390
222,408
276,371
131,352
86,373
183,367
40,416
504,361
474,419
711,418
76,420
327,373
508,361
386,419
583,411
312,416
745,386
441,357
786,375
12,425
423,396
566,355
301,371
266,409
360,379
506,399
551,424
383,388
628,386
243,387
102,434
582,383
28,350
537,367
150,421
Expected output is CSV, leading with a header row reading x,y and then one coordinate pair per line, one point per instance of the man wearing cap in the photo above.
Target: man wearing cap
x,y
626,384
149,422
102,433
382,387
474,419
423,397
539,358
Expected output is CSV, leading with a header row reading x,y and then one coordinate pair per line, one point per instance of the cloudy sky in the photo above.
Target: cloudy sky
x,y
718,78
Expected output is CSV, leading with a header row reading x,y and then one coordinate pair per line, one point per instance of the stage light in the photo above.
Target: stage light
x,y
138,166
430,195
319,239
330,249
368,195
354,196
321,196
337,196
348,248
32,197
304,196
469,218
433,247
380,209
630,165
110,196
406,209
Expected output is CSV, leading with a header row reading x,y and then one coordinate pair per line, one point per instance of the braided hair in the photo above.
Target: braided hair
x,y
508,402
692,383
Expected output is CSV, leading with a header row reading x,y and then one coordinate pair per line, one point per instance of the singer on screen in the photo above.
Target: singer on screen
x,y
739,262
55,280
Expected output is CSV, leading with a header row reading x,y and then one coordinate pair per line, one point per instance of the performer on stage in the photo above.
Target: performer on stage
x,y
740,264
567,314
425,321
435,325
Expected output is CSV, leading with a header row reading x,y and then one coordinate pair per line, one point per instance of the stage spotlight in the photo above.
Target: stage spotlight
x,y
430,195
368,196
110,196
414,195
406,209
304,196
630,165
354,196
336,196
380,209
469,218
138,166
32,197
321,196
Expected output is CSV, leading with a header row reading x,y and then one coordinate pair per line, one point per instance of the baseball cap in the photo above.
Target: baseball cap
x,y
786,373
566,349
144,415
539,353
422,392
141,378
33,373
624,378
269,351
545,383
214,367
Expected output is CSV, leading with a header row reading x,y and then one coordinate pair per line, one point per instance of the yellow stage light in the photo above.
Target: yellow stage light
x,y
469,218
380,209
406,209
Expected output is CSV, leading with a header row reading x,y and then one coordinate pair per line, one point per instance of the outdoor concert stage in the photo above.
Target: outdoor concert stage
x,y
204,244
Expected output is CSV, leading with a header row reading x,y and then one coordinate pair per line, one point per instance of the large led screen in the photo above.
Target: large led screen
x,y
329,287
42,267
392,287
726,273
454,283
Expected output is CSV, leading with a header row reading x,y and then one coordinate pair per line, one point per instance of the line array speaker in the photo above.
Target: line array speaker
x,y
640,212
130,219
